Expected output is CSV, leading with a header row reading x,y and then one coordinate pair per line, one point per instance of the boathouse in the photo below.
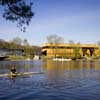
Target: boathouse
x,y
69,50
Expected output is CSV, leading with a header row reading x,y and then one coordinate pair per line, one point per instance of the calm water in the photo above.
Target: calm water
x,y
60,81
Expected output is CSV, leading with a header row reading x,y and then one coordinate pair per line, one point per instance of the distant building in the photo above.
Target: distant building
x,y
69,50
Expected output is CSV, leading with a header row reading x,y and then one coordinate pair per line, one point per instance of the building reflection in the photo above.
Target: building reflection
x,y
60,70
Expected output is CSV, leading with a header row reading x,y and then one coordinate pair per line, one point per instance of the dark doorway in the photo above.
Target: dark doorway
x,y
44,53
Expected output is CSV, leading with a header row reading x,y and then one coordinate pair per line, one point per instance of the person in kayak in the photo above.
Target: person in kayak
x,y
13,70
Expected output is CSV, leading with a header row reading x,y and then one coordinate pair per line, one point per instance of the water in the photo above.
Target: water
x,y
61,81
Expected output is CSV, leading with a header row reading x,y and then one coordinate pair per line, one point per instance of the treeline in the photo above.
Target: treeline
x,y
17,44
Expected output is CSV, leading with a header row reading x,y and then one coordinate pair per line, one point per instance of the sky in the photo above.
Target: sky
x,y
77,20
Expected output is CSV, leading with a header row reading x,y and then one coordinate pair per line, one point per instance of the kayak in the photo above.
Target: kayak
x,y
20,74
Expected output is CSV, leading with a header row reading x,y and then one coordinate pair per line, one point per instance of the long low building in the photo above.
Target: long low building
x,y
70,50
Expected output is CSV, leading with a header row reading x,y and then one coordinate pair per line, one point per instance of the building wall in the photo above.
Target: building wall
x,y
68,50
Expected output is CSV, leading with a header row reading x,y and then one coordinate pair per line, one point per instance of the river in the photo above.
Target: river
x,y
73,80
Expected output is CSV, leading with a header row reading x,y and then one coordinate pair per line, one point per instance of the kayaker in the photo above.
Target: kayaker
x,y
13,70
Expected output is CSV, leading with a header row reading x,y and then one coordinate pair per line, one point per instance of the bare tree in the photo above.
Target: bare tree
x,y
54,39
98,43
71,42
78,43
25,42
17,40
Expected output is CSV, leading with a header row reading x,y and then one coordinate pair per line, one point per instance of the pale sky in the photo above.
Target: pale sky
x,y
77,20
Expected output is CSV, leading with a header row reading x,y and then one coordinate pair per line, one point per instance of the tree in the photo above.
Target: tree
x,y
71,42
98,43
19,11
54,39
17,41
25,42
77,52
78,43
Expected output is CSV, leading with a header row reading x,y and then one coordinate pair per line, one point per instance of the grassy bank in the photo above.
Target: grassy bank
x,y
16,58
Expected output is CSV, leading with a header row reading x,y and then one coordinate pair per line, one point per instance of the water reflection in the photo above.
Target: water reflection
x,y
54,70
79,69
21,66
74,80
